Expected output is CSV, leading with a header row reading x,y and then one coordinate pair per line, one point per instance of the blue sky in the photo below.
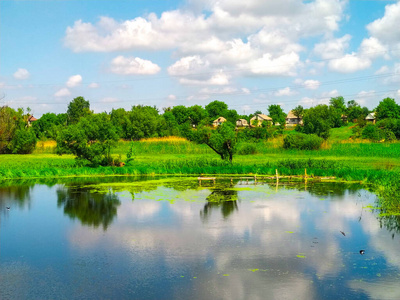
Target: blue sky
x,y
249,54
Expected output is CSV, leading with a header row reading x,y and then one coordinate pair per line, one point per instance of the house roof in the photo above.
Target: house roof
x,y
261,117
291,115
220,119
242,120
32,119
371,116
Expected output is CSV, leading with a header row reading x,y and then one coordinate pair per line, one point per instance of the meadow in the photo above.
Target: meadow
x,y
376,165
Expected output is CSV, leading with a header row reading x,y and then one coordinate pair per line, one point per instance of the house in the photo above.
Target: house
x,y
242,123
219,121
292,120
370,118
257,120
31,119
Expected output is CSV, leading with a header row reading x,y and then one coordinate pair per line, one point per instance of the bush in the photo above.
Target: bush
x,y
23,142
247,149
302,141
372,133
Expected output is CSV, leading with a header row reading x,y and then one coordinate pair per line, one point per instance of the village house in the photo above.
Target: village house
x,y
292,120
257,120
242,123
219,121
370,118
31,119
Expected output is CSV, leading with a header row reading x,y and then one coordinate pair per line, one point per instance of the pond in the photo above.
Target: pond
x,y
169,238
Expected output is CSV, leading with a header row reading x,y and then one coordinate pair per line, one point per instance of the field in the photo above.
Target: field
x,y
377,165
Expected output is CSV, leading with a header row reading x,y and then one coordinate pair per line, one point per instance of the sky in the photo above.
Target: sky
x,y
249,54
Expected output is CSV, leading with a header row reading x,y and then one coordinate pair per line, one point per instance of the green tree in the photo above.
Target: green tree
x,y
338,103
181,114
143,122
197,114
77,109
216,109
91,139
387,108
222,140
316,120
298,111
45,127
276,113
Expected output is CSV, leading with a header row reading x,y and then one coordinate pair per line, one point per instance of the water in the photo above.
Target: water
x,y
171,239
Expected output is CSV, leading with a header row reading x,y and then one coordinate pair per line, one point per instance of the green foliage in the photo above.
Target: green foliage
x,y
372,133
276,113
392,125
23,142
254,134
143,122
181,114
90,140
387,108
197,114
129,155
338,104
222,140
302,142
316,121
77,109
298,111
247,149
216,109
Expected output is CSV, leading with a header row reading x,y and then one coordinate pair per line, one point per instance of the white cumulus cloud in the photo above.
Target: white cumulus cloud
x,y
21,74
62,93
349,63
133,66
74,80
93,85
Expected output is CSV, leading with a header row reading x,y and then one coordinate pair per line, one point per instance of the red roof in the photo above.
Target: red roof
x,y
32,119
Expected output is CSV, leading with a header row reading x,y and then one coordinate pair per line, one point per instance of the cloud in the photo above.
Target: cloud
x,y
171,97
194,70
284,92
74,80
382,70
62,93
349,63
386,29
333,48
311,84
93,85
133,66
21,74
256,39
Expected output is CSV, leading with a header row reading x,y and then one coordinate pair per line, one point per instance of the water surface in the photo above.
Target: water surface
x,y
122,238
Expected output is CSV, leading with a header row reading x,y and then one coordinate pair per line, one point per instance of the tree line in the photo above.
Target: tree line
x,y
90,136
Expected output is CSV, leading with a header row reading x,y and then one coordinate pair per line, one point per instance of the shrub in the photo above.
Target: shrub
x,y
302,141
23,142
247,149
372,133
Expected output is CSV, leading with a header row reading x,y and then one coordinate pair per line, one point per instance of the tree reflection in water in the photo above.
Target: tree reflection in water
x,y
91,208
224,199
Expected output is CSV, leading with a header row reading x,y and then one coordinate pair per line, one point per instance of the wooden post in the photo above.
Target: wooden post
x,y
277,175
231,181
305,174
255,180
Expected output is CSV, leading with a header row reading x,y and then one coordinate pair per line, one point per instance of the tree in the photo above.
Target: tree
x,y
197,114
45,126
316,120
181,114
77,109
338,103
298,111
143,122
222,140
387,108
91,139
216,109
276,113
